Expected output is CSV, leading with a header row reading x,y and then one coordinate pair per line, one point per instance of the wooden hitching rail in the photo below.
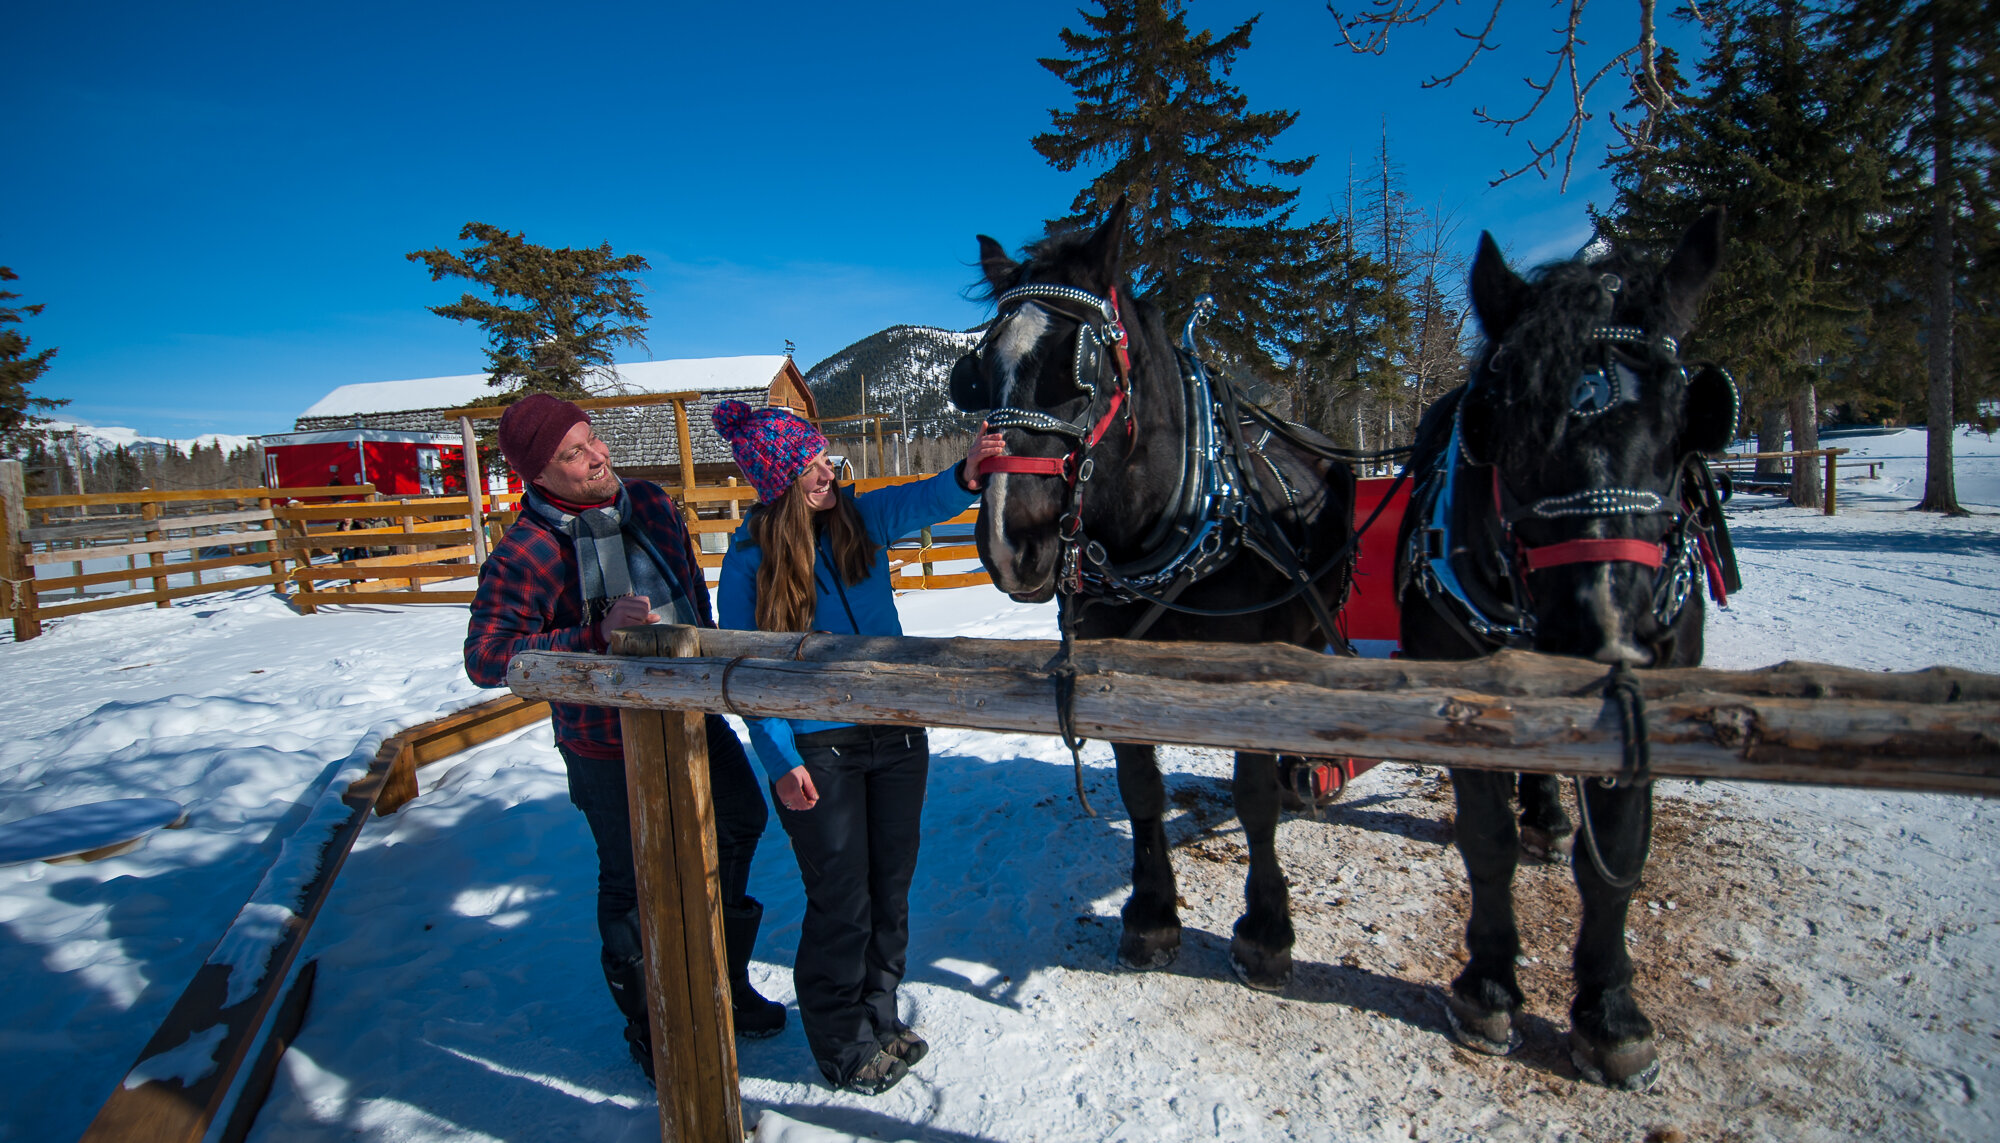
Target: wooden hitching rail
x,y
151,1110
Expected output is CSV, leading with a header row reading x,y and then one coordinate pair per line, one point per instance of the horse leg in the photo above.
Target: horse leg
x,y
1261,953
1152,936
1546,831
1610,1040
1486,995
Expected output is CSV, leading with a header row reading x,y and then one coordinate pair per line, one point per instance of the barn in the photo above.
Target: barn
x,y
644,439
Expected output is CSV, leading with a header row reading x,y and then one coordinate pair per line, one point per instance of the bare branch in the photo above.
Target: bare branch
x,y
1639,62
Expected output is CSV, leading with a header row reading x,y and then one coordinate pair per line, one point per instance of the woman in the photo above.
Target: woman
x,y
812,556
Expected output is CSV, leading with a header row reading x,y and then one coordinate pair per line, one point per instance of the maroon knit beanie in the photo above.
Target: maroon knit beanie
x,y
531,429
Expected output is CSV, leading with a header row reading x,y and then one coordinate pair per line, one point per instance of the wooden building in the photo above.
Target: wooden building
x,y
644,441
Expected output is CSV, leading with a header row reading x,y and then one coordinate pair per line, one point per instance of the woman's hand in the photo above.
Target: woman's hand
x,y
796,790
986,445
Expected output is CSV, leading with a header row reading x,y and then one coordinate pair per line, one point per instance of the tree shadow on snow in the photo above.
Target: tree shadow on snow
x,y
858,1121
1867,541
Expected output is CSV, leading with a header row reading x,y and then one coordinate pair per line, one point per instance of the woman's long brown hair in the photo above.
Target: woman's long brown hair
x,y
788,532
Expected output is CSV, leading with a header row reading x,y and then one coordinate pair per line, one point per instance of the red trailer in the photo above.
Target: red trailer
x,y
396,463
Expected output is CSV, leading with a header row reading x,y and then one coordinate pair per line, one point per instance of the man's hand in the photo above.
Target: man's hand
x,y
796,790
625,611
987,444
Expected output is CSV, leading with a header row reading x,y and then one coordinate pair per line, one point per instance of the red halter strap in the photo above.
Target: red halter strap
x,y
1592,552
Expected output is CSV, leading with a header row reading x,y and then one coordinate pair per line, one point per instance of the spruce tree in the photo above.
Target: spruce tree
x,y
1155,107
18,368
1793,141
574,306
1940,60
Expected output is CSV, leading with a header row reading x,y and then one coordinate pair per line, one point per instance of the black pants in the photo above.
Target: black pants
x,y
597,787
857,851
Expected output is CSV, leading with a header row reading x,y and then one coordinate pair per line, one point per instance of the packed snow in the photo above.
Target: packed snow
x,y
1823,963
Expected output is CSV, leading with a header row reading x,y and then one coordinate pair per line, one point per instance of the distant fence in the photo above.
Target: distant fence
x,y
150,548
1742,467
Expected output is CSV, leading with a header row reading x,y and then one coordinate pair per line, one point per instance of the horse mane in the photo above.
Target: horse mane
x,y
1051,249
1571,299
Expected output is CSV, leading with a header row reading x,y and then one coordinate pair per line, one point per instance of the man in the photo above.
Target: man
x,y
592,553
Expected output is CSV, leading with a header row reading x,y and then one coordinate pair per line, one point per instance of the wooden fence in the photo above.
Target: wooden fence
x,y
326,552
1798,722
1744,464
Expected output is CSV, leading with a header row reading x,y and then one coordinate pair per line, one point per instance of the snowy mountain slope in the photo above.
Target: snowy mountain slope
x,y
1823,964
908,370
95,440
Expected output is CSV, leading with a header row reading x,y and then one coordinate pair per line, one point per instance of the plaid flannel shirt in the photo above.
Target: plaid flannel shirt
x,y
529,600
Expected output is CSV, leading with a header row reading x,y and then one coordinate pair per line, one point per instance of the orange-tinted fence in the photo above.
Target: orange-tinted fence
x,y
128,549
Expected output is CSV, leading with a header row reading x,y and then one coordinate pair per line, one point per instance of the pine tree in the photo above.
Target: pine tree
x,y
1793,142
1154,105
575,306
1345,329
18,368
1940,60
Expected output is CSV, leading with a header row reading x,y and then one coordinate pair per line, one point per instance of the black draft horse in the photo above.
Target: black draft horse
x,y
1560,504
1124,486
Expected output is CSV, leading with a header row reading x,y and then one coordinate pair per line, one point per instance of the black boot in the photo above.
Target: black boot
x,y
755,1016
625,971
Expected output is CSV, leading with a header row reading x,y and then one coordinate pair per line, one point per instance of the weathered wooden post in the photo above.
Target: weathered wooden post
x,y
680,907
685,441
150,512
20,577
1832,467
475,517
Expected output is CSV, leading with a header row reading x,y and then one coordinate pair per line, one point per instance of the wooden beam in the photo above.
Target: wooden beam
x,y
328,598
87,529
636,401
181,1108
1937,730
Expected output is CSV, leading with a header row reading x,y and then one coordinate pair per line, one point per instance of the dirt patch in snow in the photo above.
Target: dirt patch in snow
x,y
1783,988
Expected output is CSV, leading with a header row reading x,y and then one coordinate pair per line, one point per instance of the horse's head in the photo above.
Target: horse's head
x,y
1049,372
1580,403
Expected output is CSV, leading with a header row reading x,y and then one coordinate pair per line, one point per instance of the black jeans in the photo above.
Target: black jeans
x,y
857,852
597,787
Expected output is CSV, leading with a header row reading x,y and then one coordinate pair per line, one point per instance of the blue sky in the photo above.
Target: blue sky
x,y
214,201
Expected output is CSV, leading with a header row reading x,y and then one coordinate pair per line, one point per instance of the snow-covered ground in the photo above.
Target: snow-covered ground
x,y
1824,964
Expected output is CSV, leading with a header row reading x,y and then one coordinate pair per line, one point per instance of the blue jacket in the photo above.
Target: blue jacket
x,y
865,608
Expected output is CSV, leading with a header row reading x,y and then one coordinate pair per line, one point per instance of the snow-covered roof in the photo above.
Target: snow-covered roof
x,y
694,374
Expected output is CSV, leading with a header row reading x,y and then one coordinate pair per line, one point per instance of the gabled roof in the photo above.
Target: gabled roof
x,y
696,374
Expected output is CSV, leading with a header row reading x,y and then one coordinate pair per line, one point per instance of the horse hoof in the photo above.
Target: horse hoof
x,y
1490,1032
1262,969
1148,951
1541,845
1627,1067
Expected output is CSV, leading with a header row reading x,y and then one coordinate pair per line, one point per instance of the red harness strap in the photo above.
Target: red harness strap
x,y
1593,552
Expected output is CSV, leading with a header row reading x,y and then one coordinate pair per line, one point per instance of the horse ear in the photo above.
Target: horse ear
x,y
1693,265
1712,409
993,261
1106,247
1498,293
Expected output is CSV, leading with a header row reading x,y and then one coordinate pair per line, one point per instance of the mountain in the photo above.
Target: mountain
x,y
97,440
908,370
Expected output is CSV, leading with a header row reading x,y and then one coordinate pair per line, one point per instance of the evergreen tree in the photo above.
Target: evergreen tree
x,y
1345,333
574,306
1154,105
18,368
1940,61
1793,140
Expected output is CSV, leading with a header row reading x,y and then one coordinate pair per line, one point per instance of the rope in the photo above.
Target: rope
x,y
1062,672
1622,688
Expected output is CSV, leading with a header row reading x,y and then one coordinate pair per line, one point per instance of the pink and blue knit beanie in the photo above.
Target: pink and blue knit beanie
x,y
772,446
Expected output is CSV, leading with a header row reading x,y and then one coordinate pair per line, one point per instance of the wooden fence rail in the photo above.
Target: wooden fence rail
x,y
1736,461
1935,730
182,1108
331,551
